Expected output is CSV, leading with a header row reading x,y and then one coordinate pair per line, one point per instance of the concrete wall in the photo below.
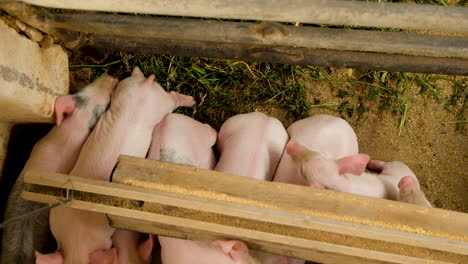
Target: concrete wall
x,y
31,78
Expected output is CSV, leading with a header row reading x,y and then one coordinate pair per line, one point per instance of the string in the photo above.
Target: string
x,y
68,198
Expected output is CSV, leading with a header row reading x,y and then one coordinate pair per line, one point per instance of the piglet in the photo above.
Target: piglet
x,y
328,138
75,116
250,145
328,159
132,247
138,104
181,139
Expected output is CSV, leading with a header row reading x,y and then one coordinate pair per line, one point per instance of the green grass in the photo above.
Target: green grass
x,y
224,88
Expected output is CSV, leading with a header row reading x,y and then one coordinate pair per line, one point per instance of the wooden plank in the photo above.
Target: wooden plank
x,y
273,34
223,210
279,244
363,61
179,227
268,42
354,13
293,198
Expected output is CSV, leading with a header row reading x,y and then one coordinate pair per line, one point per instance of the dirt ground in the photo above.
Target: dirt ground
x,y
430,143
433,147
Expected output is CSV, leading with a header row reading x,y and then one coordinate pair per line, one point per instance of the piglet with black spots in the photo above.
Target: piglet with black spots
x,y
84,237
250,145
75,115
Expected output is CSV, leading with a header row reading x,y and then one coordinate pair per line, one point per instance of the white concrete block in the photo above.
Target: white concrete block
x,y
31,78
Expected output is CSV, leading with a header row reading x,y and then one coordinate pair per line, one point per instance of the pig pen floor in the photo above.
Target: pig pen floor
x,y
418,119
433,142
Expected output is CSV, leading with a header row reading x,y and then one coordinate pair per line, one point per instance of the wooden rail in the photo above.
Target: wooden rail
x,y
266,42
354,13
318,225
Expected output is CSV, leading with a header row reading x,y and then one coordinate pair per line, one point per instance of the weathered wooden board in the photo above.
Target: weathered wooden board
x,y
320,225
265,42
354,13
270,33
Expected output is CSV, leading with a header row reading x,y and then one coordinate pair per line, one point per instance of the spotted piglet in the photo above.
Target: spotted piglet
x,y
75,116
85,237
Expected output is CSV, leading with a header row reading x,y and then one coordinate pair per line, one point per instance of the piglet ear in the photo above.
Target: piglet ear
x,y
149,81
103,256
182,99
136,71
52,258
64,106
146,248
355,164
235,249
297,151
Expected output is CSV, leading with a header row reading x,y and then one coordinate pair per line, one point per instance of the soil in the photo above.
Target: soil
x,y
435,149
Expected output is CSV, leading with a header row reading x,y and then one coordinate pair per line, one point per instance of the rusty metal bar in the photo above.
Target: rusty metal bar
x,y
334,12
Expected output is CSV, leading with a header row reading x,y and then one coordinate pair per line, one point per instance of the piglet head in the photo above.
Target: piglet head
x,y
87,105
314,167
133,90
322,172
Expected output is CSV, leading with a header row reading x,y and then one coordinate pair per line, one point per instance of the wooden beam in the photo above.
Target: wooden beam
x,y
287,55
319,225
267,42
271,34
353,13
